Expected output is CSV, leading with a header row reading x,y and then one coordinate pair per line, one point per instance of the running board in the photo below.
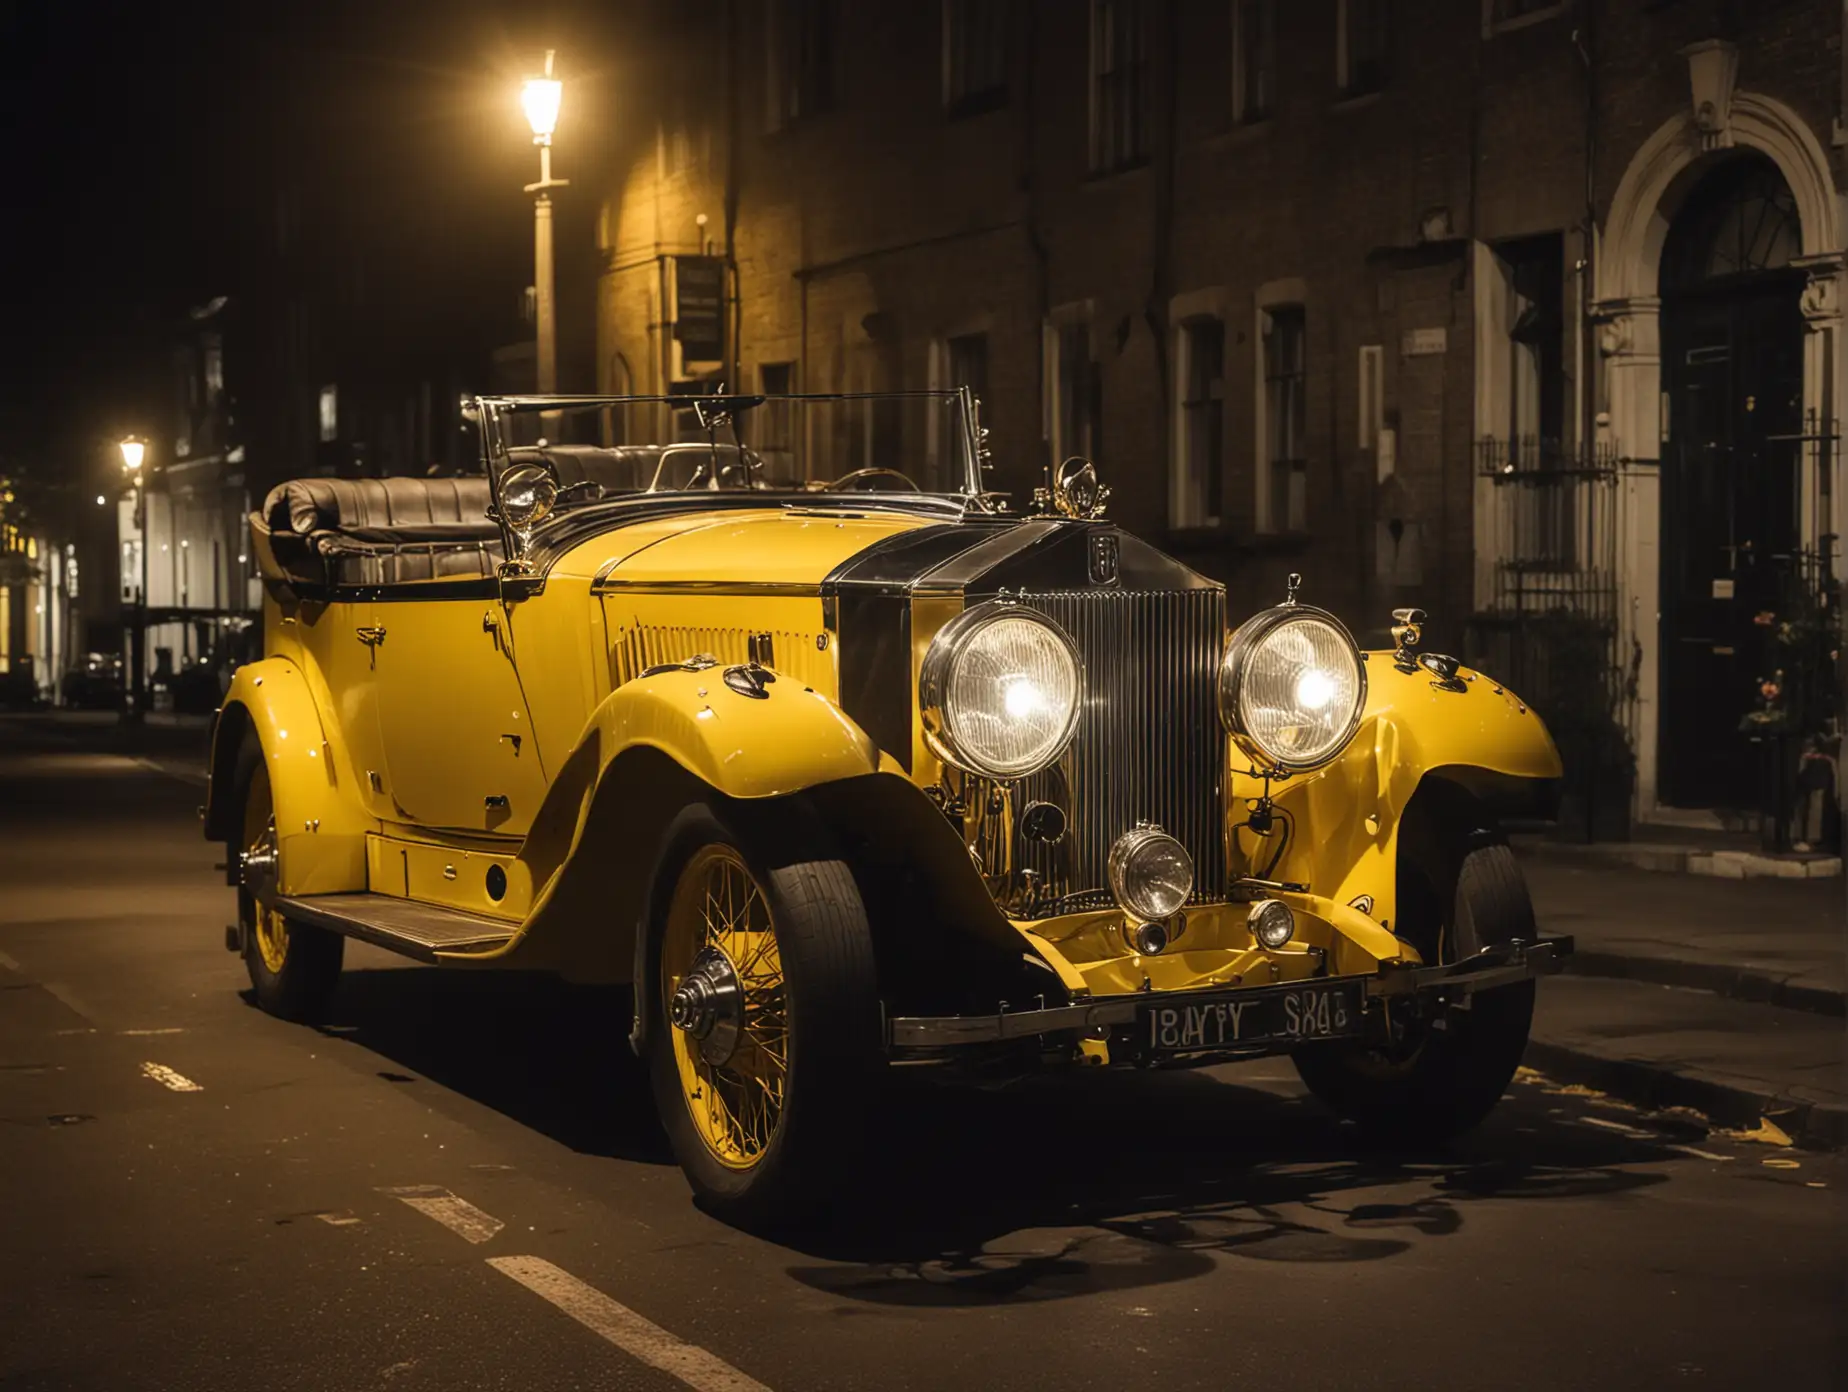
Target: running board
x,y
424,931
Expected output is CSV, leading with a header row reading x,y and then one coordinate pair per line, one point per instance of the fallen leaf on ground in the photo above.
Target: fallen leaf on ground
x,y
1767,1132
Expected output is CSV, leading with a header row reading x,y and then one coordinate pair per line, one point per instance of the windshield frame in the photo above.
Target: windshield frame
x,y
494,416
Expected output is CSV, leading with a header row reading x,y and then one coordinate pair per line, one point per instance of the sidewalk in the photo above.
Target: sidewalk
x,y
1727,996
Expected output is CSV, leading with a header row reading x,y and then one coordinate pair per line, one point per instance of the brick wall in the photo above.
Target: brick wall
x,y
886,206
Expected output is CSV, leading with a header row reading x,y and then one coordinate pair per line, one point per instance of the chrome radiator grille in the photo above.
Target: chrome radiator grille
x,y
1149,745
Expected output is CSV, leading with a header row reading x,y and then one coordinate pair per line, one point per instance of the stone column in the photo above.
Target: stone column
x,y
1631,428
1821,479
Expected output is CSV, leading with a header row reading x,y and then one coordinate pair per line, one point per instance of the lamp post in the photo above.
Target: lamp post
x,y
540,100
134,452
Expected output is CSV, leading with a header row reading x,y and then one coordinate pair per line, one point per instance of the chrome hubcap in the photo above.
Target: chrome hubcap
x,y
708,1005
257,866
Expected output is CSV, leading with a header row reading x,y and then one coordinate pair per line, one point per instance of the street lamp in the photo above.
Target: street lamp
x,y
540,100
134,452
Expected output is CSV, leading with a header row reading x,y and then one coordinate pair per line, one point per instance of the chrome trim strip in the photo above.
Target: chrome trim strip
x,y
789,589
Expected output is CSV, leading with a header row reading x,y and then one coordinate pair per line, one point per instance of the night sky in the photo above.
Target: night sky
x,y
147,143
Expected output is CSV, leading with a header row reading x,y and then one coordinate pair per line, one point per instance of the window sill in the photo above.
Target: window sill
x,y
976,104
1239,133
1496,28
1103,178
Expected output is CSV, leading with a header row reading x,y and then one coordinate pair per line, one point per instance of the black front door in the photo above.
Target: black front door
x,y
1732,363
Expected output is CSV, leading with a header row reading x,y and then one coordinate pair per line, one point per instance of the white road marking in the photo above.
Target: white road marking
x,y
458,1215
338,1220
172,1029
64,994
1699,1154
1634,1132
630,1332
166,1077
11,964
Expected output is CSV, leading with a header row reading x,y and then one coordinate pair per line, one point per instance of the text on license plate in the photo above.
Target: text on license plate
x,y
1322,1011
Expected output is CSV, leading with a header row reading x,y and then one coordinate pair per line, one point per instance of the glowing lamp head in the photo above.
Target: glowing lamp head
x,y
133,451
539,99
1314,689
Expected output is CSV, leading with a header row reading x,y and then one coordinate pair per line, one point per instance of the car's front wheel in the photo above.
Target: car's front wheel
x,y
766,1043
1459,892
293,967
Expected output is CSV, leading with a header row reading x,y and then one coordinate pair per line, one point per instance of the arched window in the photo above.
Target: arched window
x,y
1741,220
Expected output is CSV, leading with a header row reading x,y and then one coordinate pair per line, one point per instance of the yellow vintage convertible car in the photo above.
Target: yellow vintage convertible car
x,y
845,763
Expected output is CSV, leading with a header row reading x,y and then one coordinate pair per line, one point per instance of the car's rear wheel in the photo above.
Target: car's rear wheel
x,y
1459,892
766,1045
293,967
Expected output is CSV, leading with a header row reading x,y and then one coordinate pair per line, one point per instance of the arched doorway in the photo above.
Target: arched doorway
x,y
1732,335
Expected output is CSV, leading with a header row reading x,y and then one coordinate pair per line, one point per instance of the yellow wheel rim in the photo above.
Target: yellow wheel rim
x,y
270,928
272,931
719,924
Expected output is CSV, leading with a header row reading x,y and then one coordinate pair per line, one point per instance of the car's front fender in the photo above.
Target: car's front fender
x,y
321,824
1346,818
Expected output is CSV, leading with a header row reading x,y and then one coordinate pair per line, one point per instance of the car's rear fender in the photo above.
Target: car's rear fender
x,y
321,824
1480,747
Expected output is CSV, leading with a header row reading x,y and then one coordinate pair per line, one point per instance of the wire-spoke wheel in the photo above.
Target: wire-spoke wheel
x,y
723,976
764,1043
293,967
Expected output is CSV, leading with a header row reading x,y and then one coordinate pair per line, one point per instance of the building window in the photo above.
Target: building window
x,y
1074,389
1361,33
800,51
1119,85
1254,59
975,54
1498,15
1285,501
330,412
1200,444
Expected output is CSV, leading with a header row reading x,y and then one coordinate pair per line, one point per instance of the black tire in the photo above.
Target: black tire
x,y
302,984
1460,891
830,1004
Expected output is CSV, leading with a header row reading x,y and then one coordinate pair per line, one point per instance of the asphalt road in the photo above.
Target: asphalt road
x,y
194,1195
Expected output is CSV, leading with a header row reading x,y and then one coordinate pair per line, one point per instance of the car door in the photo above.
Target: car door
x,y
460,750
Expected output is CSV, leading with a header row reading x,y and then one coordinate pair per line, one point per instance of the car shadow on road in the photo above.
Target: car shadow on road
x,y
1056,1187
1074,1186
552,1056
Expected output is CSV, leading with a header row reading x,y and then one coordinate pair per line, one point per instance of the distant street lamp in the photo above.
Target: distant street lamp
x,y
540,100
133,453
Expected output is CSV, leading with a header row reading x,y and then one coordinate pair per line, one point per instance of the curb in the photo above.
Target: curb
x,y
1812,1125
1687,860
1735,983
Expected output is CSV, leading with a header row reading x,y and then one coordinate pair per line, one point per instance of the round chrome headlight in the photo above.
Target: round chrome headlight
x,y
1291,687
999,691
1151,873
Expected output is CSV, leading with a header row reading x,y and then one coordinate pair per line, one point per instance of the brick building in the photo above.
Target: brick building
x,y
1514,311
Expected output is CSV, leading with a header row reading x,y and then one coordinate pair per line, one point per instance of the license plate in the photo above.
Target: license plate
x,y
1268,1015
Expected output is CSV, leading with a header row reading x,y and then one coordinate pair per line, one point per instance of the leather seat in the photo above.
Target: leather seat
x,y
389,531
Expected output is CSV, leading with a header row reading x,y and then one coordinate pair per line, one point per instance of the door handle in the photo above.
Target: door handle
x,y
370,636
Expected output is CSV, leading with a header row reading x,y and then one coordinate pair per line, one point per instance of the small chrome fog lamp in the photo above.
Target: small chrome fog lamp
x,y
1271,922
1149,939
1151,873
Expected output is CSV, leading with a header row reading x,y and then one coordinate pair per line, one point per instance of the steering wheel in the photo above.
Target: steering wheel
x,y
864,481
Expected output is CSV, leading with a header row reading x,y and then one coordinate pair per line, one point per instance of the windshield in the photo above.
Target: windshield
x,y
896,442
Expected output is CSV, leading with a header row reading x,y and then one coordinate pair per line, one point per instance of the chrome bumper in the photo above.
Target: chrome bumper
x,y
1495,966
